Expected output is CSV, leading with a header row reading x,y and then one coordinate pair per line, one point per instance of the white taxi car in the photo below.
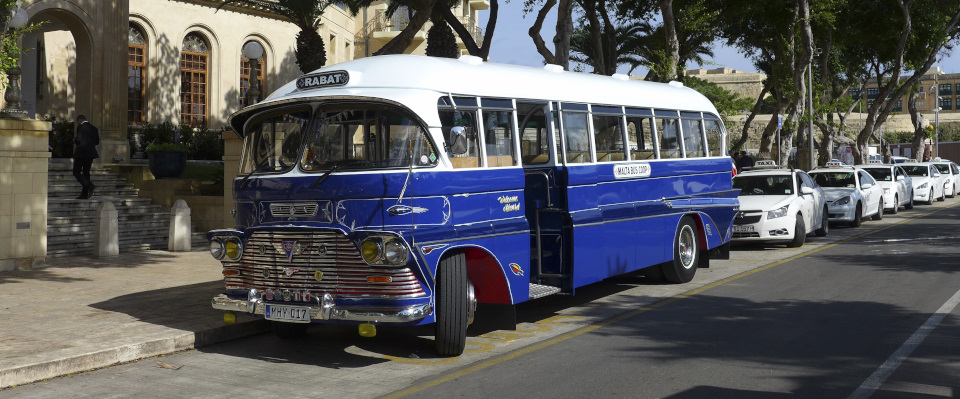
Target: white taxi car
x,y
928,183
778,206
951,172
897,185
852,194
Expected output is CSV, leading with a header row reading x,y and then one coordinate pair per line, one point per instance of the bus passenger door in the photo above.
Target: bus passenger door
x,y
545,210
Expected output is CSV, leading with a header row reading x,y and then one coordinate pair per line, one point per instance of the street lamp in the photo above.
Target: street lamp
x,y
253,51
813,162
18,19
936,112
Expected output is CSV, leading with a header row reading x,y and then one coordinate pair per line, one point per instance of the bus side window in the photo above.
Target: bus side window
x,y
534,135
669,138
714,130
468,120
608,137
640,136
692,138
577,137
498,133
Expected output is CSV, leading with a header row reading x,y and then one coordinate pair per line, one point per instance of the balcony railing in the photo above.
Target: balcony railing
x,y
399,21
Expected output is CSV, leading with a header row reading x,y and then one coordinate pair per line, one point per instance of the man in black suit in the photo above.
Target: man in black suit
x,y
84,152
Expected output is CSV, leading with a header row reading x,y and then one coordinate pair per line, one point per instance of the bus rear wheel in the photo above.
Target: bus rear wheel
x,y
686,255
452,305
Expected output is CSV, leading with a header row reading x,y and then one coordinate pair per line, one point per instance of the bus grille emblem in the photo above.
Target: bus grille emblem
x,y
290,248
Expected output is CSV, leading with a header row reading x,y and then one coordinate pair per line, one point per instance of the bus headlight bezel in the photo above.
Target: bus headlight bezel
x,y
217,249
233,248
395,252
384,251
371,250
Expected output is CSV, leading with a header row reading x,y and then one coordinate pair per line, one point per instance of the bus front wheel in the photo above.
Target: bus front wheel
x,y
686,255
452,305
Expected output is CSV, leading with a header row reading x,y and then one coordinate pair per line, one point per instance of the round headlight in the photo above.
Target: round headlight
x,y
232,248
216,248
371,249
395,252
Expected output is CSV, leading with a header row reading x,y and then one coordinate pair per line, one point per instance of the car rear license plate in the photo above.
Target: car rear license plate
x,y
743,229
293,314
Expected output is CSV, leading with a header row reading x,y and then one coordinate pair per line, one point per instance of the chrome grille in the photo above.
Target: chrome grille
x,y
344,273
747,217
305,209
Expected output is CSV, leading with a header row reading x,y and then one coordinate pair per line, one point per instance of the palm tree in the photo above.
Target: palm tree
x,y
310,51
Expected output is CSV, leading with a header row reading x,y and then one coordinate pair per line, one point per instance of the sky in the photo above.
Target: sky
x,y
512,44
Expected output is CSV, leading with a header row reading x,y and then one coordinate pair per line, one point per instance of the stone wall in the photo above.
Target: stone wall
x,y
23,192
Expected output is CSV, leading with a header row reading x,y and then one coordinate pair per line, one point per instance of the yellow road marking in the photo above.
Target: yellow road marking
x,y
606,322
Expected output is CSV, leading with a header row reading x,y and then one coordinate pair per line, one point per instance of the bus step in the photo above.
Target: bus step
x,y
540,291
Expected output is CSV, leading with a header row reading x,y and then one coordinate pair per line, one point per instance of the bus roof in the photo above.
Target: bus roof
x,y
468,75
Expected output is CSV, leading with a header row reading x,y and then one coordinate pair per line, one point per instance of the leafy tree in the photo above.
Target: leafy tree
x,y
10,50
310,51
727,102
440,40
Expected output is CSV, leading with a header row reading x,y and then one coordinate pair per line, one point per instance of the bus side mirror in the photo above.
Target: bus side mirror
x,y
458,140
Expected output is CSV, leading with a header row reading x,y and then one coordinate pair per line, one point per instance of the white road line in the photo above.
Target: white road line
x,y
876,380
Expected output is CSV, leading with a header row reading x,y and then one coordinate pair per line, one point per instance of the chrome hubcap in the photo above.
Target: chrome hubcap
x,y
687,246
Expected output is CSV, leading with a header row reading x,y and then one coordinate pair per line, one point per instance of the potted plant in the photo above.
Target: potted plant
x,y
167,160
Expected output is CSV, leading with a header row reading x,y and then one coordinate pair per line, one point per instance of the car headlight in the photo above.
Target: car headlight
x,y
842,201
922,186
777,213
216,248
384,251
233,248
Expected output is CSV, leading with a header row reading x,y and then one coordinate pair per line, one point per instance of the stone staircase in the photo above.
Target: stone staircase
x,y
71,222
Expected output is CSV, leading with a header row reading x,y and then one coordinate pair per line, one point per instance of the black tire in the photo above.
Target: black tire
x,y
824,224
909,205
879,215
943,195
451,313
953,191
288,330
686,254
857,216
896,204
930,198
799,233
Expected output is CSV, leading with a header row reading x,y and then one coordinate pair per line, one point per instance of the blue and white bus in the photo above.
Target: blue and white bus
x,y
408,190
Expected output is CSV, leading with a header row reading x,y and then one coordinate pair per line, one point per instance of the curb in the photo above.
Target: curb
x,y
126,353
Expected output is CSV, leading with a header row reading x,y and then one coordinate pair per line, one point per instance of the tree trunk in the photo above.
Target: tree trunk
x,y
399,44
919,126
672,44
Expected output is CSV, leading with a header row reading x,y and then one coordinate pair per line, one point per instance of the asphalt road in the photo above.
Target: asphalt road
x,y
865,312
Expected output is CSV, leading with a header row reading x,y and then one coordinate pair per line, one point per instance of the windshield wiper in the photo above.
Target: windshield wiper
x,y
256,168
325,175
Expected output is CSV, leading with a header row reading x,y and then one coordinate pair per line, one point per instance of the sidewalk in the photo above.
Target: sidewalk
x,y
81,313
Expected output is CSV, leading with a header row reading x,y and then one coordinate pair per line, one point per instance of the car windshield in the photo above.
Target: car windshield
x,y
943,168
917,170
881,174
835,179
764,185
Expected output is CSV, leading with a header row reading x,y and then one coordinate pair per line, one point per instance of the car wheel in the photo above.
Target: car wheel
x,y
452,305
896,205
953,191
879,215
799,233
943,195
857,216
686,255
930,198
824,224
288,330
909,205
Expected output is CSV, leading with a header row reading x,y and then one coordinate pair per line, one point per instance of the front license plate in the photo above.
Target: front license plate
x,y
743,229
288,313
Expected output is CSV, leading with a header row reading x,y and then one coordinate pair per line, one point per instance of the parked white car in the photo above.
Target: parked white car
x,y
951,173
928,183
897,185
851,194
779,206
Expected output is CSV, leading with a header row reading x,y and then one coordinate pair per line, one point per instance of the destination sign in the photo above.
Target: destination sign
x,y
631,171
326,79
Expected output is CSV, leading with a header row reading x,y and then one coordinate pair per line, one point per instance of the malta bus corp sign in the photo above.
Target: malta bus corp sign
x,y
326,79
631,171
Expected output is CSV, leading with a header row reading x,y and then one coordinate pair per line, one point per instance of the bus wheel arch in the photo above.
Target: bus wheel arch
x,y
683,266
700,221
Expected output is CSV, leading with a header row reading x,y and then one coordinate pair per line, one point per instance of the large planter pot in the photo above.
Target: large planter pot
x,y
167,164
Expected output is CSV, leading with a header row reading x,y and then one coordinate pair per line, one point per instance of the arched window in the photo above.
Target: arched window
x,y
245,78
136,72
193,80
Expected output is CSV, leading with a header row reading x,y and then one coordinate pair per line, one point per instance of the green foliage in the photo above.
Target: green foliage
x,y
441,42
10,50
154,147
61,137
309,51
202,143
199,142
727,102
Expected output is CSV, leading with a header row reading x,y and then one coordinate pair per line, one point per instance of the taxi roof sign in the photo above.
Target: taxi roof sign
x,y
874,161
834,163
765,163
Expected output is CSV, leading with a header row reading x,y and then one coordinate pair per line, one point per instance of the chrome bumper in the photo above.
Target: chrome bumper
x,y
327,310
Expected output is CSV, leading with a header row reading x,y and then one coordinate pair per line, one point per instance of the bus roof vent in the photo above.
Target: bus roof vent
x,y
471,59
674,83
620,76
553,68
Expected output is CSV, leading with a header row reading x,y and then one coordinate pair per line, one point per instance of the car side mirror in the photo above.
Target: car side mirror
x,y
458,140
901,178
806,190
866,186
